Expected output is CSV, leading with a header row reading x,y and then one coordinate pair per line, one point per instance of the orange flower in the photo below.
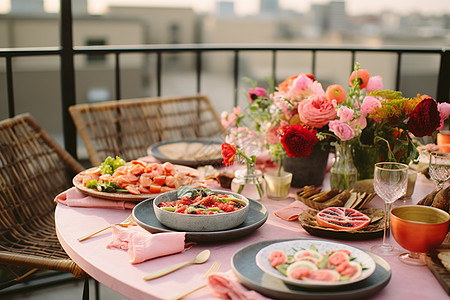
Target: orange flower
x,y
363,77
336,92
283,87
229,154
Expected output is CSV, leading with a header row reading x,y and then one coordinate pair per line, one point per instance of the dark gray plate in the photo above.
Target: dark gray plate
x,y
144,216
249,274
154,151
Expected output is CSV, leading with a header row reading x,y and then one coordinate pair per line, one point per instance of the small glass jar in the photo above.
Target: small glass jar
x,y
248,182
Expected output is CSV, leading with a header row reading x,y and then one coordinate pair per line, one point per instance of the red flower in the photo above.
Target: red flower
x,y
424,119
297,140
228,153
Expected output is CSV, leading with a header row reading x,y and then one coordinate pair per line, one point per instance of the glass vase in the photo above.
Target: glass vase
x,y
343,173
248,182
277,184
364,158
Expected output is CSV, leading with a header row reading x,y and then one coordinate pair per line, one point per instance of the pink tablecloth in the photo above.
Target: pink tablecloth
x,y
111,266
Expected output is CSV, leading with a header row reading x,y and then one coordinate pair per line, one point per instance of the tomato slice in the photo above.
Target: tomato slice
x,y
342,218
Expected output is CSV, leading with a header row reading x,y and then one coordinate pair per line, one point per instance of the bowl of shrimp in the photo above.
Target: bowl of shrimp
x,y
202,210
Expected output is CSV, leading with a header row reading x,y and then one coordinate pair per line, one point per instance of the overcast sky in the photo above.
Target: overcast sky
x,y
246,7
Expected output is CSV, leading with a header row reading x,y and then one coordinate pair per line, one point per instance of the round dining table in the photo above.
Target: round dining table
x,y
111,267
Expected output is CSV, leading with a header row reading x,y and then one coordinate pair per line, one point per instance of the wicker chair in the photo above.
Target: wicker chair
x,y
33,170
126,128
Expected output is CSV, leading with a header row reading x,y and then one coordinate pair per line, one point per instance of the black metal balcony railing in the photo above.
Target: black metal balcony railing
x,y
67,52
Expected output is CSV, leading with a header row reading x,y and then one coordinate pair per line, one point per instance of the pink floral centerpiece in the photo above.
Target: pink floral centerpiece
x,y
295,116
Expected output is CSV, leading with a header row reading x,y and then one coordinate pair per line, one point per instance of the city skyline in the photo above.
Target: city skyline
x,y
251,7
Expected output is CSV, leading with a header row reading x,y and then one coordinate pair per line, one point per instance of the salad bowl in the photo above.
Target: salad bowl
x,y
200,222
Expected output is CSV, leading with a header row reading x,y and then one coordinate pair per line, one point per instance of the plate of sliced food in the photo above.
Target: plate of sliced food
x,y
315,263
116,179
193,153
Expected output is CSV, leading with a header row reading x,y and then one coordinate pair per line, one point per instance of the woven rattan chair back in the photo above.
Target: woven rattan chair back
x,y
126,128
33,170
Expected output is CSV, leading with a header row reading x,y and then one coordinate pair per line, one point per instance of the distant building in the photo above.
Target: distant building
x,y
268,7
336,17
225,9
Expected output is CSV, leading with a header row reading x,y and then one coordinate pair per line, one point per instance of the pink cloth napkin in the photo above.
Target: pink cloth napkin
x,y
143,245
227,286
148,159
291,212
73,197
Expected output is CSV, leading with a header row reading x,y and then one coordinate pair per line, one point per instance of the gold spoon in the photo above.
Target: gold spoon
x,y
199,259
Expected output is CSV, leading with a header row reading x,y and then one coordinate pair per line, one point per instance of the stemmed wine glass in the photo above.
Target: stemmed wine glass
x,y
439,167
390,182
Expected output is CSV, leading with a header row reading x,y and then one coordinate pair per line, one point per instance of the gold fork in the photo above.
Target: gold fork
x,y
124,223
213,269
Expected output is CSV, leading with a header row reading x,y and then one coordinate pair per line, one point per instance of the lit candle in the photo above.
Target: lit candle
x,y
443,141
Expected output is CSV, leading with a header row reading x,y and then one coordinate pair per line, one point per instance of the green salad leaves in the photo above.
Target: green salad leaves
x,y
110,165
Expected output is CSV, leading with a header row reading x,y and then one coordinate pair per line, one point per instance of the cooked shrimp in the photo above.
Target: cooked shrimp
x,y
145,180
169,169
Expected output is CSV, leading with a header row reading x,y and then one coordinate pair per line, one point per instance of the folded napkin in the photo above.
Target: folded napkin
x,y
227,286
143,245
292,211
73,197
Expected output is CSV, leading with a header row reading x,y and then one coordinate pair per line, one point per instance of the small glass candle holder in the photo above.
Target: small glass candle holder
x,y
277,185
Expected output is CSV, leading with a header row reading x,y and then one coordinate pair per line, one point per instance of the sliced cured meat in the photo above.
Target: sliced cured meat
x,y
342,218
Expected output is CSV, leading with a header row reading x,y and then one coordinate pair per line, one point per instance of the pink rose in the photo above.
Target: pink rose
x,y
302,87
342,130
301,82
369,105
444,112
316,111
375,83
345,114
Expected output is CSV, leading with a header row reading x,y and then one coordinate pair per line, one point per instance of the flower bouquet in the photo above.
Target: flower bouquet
x,y
379,125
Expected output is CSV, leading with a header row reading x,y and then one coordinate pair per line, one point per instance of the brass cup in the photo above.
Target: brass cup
x,y
419,228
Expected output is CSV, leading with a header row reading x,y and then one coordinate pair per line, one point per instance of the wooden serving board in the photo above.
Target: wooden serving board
x,y
436,267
